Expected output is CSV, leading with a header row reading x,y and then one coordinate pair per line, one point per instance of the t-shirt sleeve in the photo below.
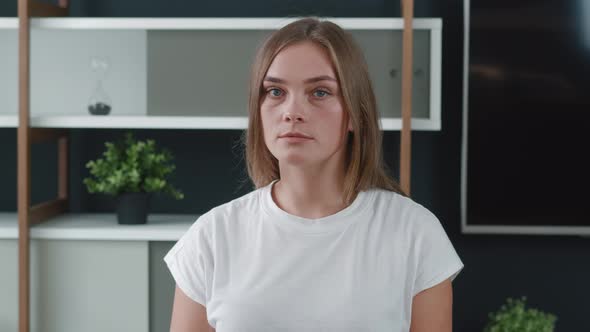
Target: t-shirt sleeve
x,y
436,258
190,262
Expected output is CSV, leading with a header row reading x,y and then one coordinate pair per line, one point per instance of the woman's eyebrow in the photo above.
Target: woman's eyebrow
x,y
273,79
308,80
320,78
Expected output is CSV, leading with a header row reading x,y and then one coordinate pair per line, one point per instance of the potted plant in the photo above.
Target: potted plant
x,y
514,317
132,170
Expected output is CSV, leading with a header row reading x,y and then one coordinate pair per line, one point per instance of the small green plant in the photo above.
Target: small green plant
x,y
514,317
130,165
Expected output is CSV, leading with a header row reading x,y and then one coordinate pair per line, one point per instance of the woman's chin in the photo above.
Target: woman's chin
x,y
294,159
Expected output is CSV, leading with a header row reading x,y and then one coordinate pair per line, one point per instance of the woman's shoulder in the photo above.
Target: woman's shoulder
x,y
247,203
242,207
395,199
403,210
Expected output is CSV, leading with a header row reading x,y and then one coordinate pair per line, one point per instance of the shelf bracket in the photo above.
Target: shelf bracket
x,y
46,210
42,9
40,135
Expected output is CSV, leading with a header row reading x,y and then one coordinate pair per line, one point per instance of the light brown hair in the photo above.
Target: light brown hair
x,y
365,167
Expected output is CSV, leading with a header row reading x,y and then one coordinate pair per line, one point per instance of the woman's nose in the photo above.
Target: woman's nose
x,y
290,116
294,111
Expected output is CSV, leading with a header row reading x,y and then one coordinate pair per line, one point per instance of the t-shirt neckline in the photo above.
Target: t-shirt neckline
x,y
328,224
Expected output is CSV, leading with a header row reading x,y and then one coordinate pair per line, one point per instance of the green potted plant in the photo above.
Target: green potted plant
x,y
514,317
132,170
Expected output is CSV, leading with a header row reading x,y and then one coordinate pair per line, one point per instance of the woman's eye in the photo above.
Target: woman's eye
x,y
274,92
320,93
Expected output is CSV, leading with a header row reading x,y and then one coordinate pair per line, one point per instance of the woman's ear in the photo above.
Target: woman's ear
x,y
350,125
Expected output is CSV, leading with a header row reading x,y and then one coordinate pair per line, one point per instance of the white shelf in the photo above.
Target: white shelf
x,y
172,122
104,226
8,121
101,226
8,23
8,225
139,122
221,23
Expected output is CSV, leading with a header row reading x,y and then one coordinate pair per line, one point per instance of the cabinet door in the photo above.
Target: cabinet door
x,y
8,284
162,286
89,286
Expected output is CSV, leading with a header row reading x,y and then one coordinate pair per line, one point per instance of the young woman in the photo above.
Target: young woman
x,y
327,241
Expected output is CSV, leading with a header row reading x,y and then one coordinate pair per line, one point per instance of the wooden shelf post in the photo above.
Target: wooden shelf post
x,y
407,73
25,137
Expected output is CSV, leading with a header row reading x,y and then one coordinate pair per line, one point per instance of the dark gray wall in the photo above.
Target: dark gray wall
x,y
43,171
552,271
8,169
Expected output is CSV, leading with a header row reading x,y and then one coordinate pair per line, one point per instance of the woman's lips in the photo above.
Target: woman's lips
x,y
295,139
294,136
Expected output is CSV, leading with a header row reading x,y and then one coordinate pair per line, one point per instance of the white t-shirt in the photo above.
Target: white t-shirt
x,y
258,268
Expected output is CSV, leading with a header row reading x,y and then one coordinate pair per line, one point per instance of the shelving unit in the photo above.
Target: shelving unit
x,y
156,61
43,114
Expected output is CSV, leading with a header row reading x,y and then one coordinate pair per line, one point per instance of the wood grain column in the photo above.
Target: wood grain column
x,y
23,164
407,73
26,215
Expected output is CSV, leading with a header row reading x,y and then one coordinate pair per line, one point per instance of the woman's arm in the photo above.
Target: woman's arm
x,y
188,315
432,309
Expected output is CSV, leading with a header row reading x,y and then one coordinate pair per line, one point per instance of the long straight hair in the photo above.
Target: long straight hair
x,y
365,168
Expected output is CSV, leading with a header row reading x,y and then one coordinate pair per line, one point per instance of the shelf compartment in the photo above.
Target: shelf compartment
x,y
187,73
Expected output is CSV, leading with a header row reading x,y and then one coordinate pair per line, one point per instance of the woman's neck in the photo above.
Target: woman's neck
x,y
309,194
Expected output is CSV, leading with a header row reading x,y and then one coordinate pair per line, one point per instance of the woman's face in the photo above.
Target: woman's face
x,y
301,96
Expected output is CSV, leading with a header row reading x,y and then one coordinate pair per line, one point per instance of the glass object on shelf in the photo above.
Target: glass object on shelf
x,y
99,102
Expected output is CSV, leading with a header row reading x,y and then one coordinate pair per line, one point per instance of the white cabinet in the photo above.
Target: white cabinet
x,y
90,274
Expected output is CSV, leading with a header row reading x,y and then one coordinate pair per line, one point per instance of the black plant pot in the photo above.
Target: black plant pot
x,y
132,208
